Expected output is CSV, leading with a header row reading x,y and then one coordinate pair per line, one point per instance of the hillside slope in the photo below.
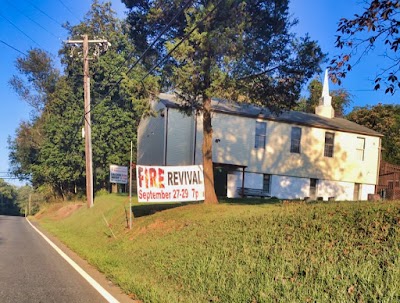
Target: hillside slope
x,y
291,252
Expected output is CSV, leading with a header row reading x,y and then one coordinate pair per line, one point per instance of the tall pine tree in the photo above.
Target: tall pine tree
x,y
238,50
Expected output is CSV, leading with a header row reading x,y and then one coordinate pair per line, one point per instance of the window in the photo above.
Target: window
x,y
261,134
329,142
360,147
295,140
267,183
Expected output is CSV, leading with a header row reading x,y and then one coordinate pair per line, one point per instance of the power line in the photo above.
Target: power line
x,y
21,31
148,48
26,16
180,42
163,59
68,9
12,47
44,13
167,27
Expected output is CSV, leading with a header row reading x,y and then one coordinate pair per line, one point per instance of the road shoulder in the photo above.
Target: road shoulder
x,y
113,289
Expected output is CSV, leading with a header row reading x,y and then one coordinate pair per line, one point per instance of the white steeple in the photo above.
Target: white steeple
x,y
325,108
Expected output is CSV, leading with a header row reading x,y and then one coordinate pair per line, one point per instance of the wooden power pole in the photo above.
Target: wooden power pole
x,y
88,134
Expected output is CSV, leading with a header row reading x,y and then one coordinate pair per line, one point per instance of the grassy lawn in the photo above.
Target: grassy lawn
x,y
235,252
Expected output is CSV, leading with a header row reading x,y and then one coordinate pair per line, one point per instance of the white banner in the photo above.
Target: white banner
x,y
170,183
118,174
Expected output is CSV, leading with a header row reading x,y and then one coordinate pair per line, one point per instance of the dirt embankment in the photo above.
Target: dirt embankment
x,y
58,211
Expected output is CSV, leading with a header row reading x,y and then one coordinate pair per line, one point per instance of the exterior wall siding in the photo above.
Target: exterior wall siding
x,y
286,187
365,190
235,145
180,138
150,147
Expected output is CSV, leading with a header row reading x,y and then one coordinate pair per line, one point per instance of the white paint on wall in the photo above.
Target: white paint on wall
x,y
340,191
284,187
235,145
234,182
365,190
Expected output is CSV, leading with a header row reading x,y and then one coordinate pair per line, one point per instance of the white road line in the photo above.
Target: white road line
x,y
83,273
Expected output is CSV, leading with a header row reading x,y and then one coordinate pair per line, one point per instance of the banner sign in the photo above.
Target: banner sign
x,y
118,174
170,183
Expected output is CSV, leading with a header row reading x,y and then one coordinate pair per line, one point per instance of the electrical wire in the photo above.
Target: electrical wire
x,y
12,47
32,20
68,9
44,13
161,61
167,27
180,42
148,48
20,30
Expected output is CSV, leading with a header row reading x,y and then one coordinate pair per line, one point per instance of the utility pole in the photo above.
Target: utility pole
x,y
88,134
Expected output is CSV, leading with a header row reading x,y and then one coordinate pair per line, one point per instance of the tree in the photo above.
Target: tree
x,y
8,195
341,99
39,81
384,119
49,149
118,94
237,50
378,25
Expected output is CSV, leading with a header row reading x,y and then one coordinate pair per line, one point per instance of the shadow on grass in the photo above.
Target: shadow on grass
x,y
147,209
152,208
250,201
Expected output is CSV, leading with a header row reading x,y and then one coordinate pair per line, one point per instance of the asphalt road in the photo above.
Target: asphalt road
x,y
32,271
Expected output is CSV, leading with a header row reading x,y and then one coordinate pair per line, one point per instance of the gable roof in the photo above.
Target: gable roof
x,y
290,117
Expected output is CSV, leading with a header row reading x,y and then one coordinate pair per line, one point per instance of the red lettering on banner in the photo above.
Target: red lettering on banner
x,y
151,177
161,178
140,173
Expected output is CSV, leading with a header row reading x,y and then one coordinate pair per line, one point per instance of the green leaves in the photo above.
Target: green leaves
x,y
378,25
49,150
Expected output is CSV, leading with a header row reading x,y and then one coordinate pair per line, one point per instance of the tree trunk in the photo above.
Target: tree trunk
x,y
209,196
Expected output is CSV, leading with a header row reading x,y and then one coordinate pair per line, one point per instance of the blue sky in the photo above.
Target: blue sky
x,y
37,23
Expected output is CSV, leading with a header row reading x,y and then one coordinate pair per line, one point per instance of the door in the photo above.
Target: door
x,y
221,181
356,195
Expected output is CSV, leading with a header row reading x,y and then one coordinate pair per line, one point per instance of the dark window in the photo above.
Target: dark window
x,y
261,134
313,188
267,183
295,140
329,143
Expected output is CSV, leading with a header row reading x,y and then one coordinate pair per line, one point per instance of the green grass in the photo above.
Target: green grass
x,y
233,252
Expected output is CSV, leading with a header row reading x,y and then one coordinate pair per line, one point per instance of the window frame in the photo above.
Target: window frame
x,y
329,147
259,136
295,143
267,189
360,151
